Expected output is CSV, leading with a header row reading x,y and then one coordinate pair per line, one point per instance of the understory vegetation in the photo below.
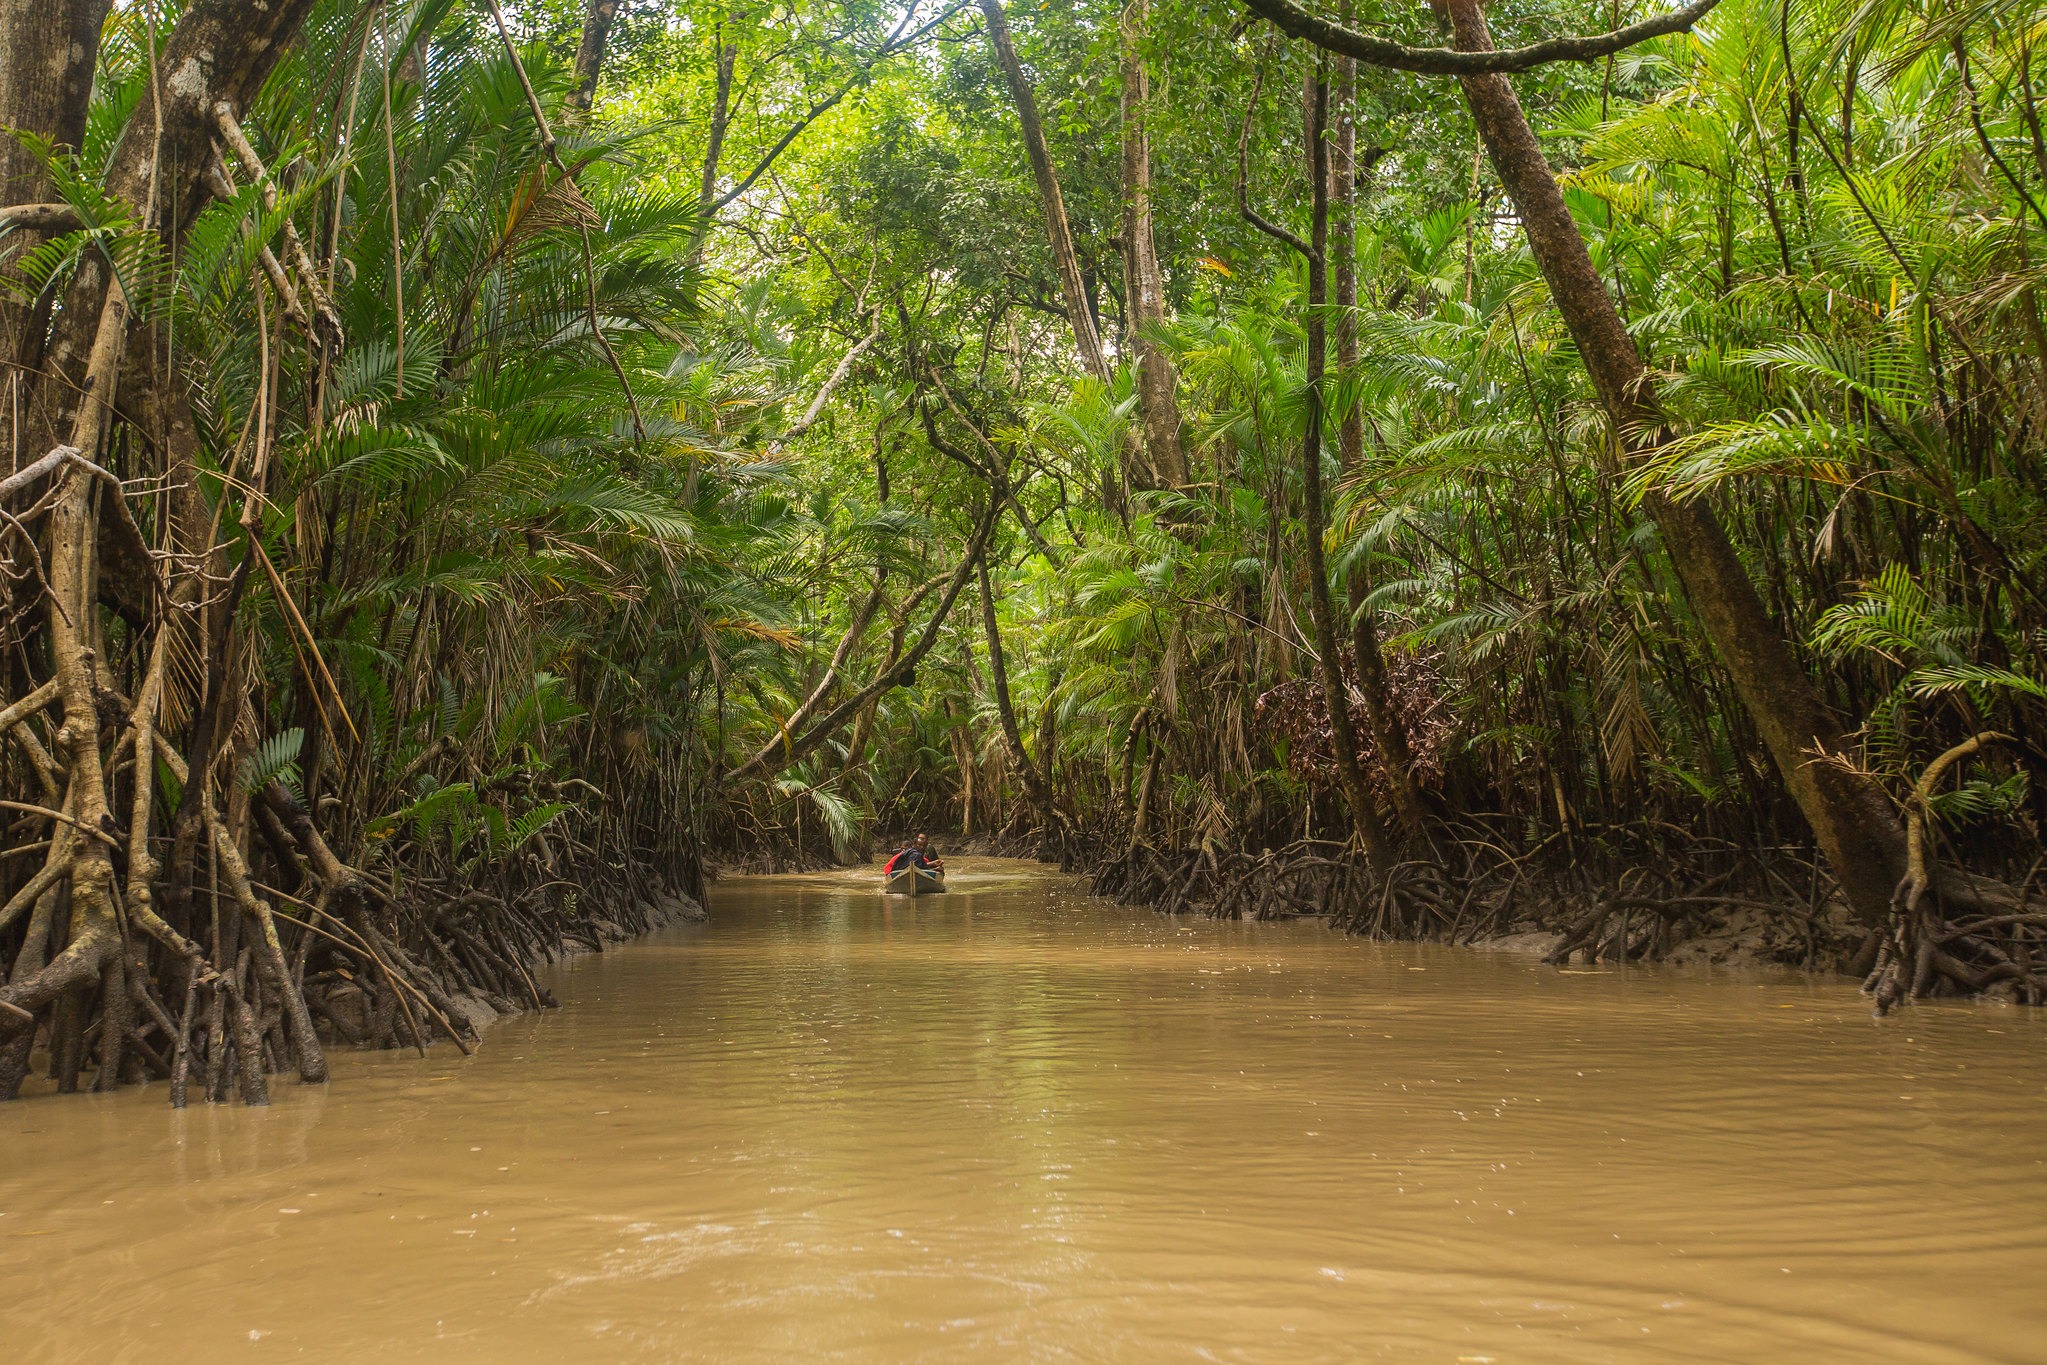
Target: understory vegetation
x,y
473,468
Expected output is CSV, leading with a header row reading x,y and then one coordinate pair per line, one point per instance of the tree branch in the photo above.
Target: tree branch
x,y
40,218
776,756
1251,215
847,642
1290,18
824,395
897,42
329,329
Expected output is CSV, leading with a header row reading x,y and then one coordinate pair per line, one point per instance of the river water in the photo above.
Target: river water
x,y
1014,1123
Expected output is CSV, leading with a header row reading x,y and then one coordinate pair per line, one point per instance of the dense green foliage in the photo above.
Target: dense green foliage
x,y
1850,345
714,469
1851,348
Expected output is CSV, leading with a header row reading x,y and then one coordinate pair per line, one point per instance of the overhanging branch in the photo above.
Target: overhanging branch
x,y
1290,18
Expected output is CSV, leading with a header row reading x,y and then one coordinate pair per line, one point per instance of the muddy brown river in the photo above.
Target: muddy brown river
x,y
1012,1123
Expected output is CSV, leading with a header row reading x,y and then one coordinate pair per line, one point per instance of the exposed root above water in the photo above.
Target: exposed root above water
x,y
1949,931
1713,905
383,972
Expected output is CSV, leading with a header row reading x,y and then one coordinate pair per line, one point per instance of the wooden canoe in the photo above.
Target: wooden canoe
x,y
913,881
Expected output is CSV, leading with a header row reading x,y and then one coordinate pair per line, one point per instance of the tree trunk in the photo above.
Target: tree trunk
x,y
1850,816
714,146
1079,312
48,50
95,929
1143,284
221,52
597,21
1140,823
1035,789
1365,823
1388,740
721,120
1048,734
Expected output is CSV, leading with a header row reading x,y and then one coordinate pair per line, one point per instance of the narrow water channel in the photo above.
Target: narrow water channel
x,y
1014,1123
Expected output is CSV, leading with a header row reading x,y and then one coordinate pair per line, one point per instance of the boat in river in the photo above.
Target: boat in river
x,y
911,880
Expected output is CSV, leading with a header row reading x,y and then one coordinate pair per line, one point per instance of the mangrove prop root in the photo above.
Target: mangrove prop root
x,y
1920,953
1646,912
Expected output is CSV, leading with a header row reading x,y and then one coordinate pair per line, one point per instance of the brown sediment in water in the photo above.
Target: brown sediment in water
x,y
1015,1122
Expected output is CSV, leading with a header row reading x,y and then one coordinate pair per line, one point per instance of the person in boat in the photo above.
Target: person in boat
x,y
917,854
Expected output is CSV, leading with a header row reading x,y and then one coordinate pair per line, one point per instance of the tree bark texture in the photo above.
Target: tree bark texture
x,y
1851,817
48,50
598,18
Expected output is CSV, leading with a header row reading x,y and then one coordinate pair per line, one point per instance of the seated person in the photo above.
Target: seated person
x,y
918,854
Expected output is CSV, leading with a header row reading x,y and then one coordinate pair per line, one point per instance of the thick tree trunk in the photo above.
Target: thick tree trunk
x,y
597,20
48,50
1079,311
1329,644
1389,741
220,52
1853,820
1144,285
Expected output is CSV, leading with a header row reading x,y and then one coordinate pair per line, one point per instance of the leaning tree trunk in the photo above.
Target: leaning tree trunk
x,y
1072,287
1143,283
1852,819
